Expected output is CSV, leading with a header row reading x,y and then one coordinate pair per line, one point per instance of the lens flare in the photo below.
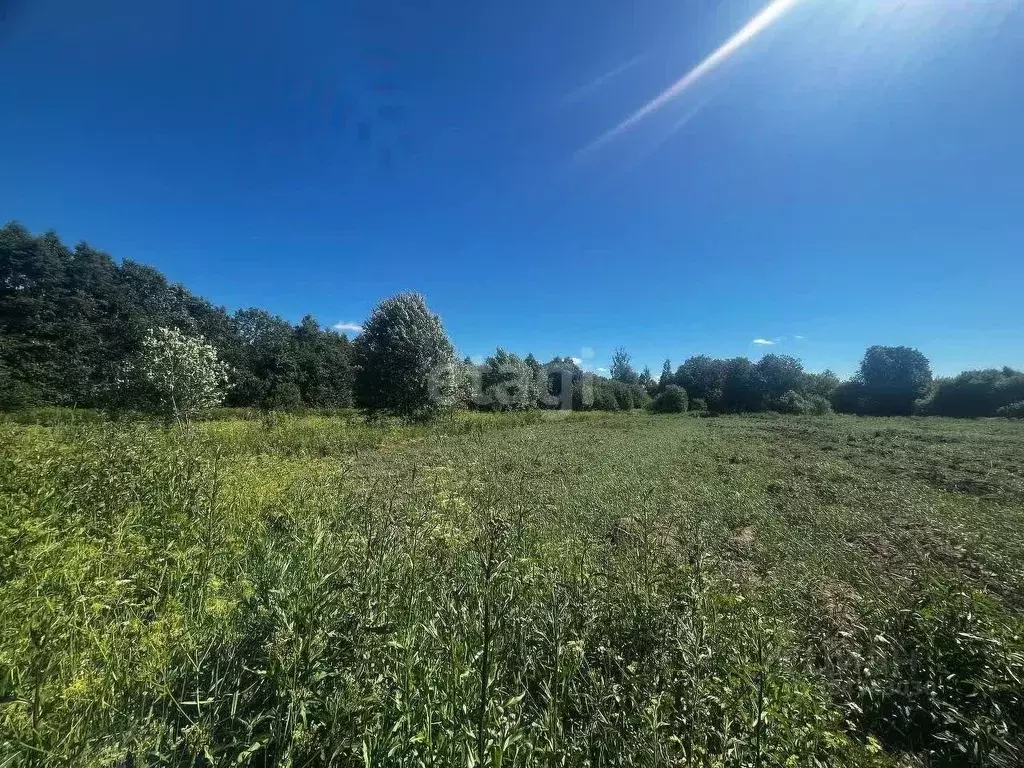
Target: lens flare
x,y
772,13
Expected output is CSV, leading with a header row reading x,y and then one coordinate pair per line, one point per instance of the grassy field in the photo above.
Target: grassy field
x,y
543,589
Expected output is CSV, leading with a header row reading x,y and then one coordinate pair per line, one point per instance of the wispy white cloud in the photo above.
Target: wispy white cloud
x,y
799,338
348,328
764,342
577,360
770,14
602,370
585,90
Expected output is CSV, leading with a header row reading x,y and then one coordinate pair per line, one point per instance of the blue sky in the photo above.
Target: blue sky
x,y
853,175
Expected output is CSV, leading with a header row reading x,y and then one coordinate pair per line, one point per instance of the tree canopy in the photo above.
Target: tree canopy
x,y
71,319
406,364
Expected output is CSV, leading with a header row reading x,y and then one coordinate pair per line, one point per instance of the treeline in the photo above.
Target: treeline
x,y
71,318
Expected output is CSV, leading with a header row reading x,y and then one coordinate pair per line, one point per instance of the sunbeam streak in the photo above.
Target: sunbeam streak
x,y
772,13
585,90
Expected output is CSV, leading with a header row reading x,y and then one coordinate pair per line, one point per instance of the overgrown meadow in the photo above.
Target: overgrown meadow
x,y
510,590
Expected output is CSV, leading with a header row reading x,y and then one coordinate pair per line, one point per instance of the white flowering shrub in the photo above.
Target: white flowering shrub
x,y
182,374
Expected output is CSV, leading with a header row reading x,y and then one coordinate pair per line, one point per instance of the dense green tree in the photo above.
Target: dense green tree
x,y
324,360
974,393
508,382
741,388
32,290
703,377
71,318
567,386
646,380
539,379
605,399
621,369
406,364
666,375
850,397
821,384
778,374
794,402
468,384
894,378
267,370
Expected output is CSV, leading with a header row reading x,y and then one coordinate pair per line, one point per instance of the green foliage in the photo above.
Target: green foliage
x,y
567,386
265,360
821,384
672,399
324,363
1012,411
647,382
70,320
666,375
893,378
973,394
53,416
703,377
615,395
510,383
406,364
621,369
175,375
780,374
942,677
851,397
793,402
741,387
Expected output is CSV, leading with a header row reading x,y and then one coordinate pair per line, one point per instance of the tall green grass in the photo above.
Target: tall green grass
x,y
499,591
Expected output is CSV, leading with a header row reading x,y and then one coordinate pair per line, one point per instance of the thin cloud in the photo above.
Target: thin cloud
x,y
764,342
585,90
799,338
348,327
769,15
577,360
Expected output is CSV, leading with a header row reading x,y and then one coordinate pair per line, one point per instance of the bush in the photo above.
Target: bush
x,y
850,397
672,399
176,376
1012,411
818,405
699,405
795,403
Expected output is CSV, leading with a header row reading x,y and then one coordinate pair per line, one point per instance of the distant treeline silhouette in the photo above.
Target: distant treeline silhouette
x,y
71,317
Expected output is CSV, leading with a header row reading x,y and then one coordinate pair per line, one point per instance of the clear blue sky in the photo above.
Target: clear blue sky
x,y
853,175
